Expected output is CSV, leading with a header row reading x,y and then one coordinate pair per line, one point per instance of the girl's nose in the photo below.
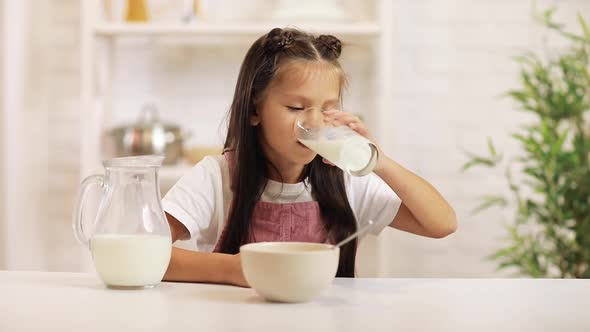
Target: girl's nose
x,y
312,117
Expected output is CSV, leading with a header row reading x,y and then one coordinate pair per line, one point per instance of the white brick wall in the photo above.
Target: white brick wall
x,y
451,64
63,122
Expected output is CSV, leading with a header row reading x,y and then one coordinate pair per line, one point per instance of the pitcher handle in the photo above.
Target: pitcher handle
x,y
79,231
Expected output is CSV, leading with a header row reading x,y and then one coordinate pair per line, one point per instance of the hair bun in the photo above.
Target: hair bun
x,y
329,46
278,40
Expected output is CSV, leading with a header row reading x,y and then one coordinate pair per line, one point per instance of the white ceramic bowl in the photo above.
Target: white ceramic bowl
x,y
289,271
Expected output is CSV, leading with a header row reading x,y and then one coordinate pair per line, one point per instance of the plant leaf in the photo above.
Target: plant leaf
x,y
488,202
491,147
584,26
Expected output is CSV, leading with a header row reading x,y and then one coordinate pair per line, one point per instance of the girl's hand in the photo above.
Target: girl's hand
x,y
236,276
339,118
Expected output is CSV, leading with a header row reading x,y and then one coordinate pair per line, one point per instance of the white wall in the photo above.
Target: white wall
x,y
24,133
13,83
39,139
452,65
2,189
452,62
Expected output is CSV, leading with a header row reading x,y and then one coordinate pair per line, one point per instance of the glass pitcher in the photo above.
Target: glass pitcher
x,y
130,240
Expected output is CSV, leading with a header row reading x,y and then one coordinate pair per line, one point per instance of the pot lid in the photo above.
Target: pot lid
x,y
148,118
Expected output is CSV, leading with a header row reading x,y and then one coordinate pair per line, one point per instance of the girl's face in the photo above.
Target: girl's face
x,y
297,86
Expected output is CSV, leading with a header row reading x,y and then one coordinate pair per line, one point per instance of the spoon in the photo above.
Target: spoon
x,y
355,234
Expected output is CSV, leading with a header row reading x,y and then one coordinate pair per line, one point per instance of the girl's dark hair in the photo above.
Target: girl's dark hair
x,y
249,179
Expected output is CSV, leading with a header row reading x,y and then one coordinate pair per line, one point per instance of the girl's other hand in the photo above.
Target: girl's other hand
x,y
339,118
236,273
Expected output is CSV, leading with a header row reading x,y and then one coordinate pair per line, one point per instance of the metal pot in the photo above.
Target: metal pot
x,y
149,136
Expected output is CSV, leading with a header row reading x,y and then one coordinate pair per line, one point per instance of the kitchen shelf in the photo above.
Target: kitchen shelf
x,y
99,63
228,30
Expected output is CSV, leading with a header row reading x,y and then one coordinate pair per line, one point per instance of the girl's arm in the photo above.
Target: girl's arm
x,y
423,211
193,266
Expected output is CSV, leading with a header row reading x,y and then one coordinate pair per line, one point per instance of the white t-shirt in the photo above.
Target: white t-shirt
x,y
200,200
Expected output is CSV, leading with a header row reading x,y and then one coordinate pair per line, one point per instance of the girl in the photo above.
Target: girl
x,y
269,187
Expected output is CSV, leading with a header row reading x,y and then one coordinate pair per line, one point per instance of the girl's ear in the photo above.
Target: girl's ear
x,y
255,118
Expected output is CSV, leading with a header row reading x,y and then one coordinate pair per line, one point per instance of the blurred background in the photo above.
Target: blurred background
x,y
428,77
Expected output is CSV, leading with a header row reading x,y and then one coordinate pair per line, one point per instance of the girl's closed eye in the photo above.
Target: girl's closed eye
x,y
295,108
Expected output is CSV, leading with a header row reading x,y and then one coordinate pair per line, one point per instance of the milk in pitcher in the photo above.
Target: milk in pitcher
x,y
131,260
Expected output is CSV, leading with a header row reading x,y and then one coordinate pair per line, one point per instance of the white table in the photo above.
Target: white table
x,y
31,301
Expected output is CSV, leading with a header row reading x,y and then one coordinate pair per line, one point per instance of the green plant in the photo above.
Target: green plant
x,y
550,178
